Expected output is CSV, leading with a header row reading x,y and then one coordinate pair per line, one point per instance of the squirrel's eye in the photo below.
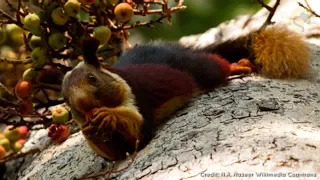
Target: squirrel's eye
x,y
92,78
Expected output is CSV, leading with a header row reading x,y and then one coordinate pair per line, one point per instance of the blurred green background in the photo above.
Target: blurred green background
x,y
199,16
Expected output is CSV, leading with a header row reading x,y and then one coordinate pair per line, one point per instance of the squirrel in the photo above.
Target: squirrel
x,y
150,82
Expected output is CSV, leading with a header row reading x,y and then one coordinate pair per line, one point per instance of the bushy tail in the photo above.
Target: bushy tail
x,y
276,51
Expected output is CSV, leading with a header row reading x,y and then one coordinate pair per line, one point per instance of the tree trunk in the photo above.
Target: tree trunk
x,y
251,126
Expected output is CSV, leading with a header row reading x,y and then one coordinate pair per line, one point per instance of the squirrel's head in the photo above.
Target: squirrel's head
x,y
89,85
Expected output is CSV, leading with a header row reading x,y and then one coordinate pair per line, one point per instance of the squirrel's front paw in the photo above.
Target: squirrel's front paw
x,y
102,123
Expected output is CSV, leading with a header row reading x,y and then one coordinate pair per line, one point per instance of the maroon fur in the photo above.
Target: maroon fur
x,y
223,63
159,83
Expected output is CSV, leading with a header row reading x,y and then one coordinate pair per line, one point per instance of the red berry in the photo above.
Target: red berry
x,y
23,131
26,107
90,113
58,133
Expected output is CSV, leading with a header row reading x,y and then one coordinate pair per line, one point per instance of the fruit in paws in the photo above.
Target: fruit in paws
x,y
90,113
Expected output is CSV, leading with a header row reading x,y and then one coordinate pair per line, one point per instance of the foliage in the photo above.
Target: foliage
x,y
41,41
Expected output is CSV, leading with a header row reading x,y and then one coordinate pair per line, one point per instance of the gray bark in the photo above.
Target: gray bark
x,y
252,125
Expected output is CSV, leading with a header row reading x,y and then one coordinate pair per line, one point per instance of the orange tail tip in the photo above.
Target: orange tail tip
x,y
236,69
281,53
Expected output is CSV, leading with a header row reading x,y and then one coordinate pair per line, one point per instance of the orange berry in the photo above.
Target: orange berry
x,y
2,152
23,89
123,12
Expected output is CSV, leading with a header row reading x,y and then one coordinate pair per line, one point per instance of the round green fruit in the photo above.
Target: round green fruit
x,y
2,136
60,115
12,135
39,56
14,29
4,142
72,8
35,41
17,146
32,23
102,33
30,75
59,17
57,40
123,12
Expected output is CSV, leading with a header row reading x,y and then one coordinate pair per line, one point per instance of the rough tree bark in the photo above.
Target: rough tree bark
x,y
252,125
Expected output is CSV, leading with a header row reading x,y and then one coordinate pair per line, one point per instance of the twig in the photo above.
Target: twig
x,y
148,24
272,10
159,11
14,61
308,8
18,12
18,155
230,78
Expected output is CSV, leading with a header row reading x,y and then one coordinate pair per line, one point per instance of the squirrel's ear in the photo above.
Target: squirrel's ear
x,y
89,46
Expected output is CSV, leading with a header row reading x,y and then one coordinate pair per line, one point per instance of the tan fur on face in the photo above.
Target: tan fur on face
x,y
281,53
